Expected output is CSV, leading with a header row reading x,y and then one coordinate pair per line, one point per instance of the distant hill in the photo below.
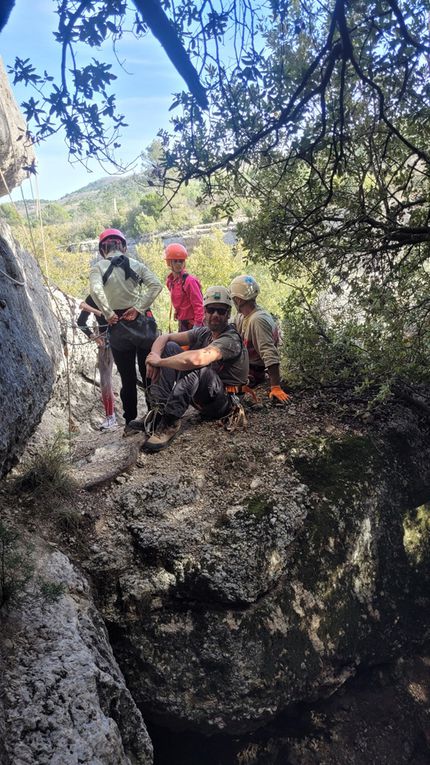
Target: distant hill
x,y
124,186
126,202
104,195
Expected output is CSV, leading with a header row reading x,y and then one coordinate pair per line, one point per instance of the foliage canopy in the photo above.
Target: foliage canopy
x,y
318,113
326,126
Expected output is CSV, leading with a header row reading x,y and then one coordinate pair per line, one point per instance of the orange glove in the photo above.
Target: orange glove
x,y
278,395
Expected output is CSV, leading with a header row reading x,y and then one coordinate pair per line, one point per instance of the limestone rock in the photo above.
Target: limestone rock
x,y
228,606
63,697
30,348
105,457
16,151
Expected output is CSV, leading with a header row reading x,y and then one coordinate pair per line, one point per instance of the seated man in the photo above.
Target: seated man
x,y
260,336
216,364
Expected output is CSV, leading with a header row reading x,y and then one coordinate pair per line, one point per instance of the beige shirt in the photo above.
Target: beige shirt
x,y
121,293
258,332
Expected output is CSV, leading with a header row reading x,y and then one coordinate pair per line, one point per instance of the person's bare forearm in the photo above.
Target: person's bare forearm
x,y
159,344
182,362
185,361
89,308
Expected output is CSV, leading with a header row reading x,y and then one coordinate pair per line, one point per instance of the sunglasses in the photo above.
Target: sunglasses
x,y
176,261
216,309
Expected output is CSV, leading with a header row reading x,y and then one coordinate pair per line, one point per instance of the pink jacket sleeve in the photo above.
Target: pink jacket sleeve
x,y
196,299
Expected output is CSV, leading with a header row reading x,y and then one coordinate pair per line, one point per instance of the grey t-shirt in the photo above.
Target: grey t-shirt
x,y
233,369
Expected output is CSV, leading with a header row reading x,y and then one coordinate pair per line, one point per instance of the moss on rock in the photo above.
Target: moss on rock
x,y
259,505
334,467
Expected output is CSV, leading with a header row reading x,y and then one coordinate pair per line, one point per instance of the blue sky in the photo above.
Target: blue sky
x,y
143,93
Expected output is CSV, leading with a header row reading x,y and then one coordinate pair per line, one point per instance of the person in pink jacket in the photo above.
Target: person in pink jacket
x,y
185,289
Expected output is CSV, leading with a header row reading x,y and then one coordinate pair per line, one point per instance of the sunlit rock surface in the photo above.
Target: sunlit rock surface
x,y
16,151
30,347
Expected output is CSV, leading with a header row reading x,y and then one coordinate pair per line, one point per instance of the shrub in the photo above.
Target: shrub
x,y
15,568
332,340
45,477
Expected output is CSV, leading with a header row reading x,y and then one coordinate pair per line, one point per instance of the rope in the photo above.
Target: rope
x,y
21,284
13,204
30,230
42,230
236,417
152,419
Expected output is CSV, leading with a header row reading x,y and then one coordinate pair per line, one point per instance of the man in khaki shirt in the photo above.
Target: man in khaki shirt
x,y
259,334
124,289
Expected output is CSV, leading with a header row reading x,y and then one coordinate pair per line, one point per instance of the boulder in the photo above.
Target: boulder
x,y
63,698
16,150
234,589
49,380
30,347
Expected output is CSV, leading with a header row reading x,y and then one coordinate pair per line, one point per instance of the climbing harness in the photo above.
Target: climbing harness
x,y
235,417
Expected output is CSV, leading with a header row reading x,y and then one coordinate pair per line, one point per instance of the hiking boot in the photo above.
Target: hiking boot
x,y
109,423
164,434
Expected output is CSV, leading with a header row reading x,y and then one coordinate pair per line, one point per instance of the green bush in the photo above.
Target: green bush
x,y
330,341
15,567
45,478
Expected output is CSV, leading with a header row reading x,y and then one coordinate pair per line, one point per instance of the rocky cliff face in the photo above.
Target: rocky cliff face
x,y
63,699
240,574
30,348
16,151
45,358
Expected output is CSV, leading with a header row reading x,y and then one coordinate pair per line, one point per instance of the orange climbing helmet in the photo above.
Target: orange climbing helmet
x,y
175,251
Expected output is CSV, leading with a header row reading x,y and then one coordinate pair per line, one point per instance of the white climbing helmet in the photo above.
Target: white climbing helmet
x,y
244,287
217,295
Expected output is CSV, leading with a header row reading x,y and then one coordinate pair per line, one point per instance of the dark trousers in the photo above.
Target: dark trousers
x,y
184,325
257,375
126,364
176,391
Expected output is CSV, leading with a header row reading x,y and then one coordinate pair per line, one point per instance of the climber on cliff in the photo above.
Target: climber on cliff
x,y
185,289
206,376
260,335
124,289
104,358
